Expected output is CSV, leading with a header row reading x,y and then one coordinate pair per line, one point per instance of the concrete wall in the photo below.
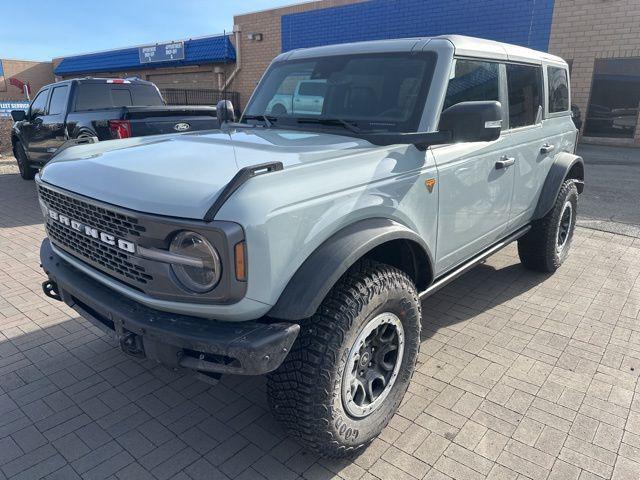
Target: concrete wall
x,y
36,74
584,30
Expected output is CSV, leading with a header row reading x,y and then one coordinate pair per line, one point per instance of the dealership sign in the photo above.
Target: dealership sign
x,y
6,107
162,52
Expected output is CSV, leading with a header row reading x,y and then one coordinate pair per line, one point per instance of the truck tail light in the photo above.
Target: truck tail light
x,y
120,128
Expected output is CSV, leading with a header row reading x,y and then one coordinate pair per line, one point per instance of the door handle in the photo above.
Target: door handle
x,y
547,148
505,162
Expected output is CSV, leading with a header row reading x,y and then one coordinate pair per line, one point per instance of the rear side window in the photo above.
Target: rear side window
x,y
524,83
145,96
558,90
95,96
58,102
473,80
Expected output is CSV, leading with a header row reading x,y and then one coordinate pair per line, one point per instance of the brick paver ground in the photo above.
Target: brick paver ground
x,y
520,376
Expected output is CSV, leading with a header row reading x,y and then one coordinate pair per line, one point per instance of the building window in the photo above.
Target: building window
x,y
524,83
615,95
558,90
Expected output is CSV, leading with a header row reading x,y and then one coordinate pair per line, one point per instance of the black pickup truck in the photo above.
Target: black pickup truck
x,y
102,108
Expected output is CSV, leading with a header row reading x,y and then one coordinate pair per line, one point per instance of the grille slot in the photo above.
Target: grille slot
x,y
111,260
98,217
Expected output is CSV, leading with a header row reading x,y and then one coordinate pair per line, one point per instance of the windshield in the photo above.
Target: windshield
x,y
381,91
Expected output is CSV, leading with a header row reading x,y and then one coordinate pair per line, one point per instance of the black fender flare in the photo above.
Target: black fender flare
x,y
308,287
564,165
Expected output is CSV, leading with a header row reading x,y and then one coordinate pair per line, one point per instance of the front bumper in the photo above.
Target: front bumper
x,y
176,341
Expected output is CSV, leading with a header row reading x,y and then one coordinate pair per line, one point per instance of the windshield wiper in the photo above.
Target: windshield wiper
x,y
348,124
268,120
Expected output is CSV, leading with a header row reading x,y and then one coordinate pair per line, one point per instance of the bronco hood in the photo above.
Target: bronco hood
x,y
182,175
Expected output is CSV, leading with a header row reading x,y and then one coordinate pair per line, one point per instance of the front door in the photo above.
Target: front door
x,y
33,130
475,179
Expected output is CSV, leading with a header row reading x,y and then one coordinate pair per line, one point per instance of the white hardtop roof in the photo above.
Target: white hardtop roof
x,y
463,46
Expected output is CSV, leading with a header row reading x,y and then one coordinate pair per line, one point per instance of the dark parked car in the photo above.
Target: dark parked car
x,y
99,108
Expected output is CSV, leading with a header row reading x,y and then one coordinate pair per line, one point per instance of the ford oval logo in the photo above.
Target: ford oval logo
x,y
181,127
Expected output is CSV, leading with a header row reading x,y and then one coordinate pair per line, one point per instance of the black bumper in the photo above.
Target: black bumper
x,y
177,341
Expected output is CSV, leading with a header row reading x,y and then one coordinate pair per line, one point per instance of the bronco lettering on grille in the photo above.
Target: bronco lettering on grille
x,y
92,232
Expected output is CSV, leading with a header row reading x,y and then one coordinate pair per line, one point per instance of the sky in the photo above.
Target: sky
x,y
45,29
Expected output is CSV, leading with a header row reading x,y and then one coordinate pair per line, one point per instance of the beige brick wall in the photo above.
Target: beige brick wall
x,y
583,30
37,74
256,56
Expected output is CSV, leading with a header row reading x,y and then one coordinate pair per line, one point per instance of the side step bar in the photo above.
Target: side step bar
x,y
465,267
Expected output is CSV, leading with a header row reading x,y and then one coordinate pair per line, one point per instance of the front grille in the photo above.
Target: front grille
x,y
107,258
89,214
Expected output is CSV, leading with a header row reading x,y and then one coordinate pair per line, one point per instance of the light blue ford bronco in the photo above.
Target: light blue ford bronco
x,y
299,243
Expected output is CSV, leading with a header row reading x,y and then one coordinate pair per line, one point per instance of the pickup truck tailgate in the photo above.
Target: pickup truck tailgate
x,y
158,120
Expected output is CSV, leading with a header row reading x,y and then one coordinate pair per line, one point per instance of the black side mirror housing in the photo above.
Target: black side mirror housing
x,y
225,111
18,115
472,121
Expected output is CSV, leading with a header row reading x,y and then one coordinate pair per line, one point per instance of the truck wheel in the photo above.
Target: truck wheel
x,y
546,246
351,365
24,166
279,109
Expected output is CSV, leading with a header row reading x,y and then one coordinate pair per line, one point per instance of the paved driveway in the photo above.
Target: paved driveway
x,y
520,376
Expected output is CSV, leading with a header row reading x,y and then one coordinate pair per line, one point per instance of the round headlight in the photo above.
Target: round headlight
x,y
204,272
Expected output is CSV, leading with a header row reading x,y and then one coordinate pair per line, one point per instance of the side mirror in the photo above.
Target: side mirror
x,y
472,121
225,112
18,115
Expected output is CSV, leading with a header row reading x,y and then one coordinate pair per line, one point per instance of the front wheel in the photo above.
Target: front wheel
x,y
351,365
24,165
546,246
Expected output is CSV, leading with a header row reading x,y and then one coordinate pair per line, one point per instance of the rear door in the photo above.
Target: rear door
x,y
475,193
529,136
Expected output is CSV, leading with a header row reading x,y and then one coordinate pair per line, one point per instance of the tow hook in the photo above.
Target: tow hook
x,y
50,289
131,344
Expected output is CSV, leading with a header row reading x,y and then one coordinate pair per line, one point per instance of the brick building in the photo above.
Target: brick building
x,y
16,73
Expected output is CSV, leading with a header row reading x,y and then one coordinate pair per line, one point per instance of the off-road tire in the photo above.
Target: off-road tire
x,y
305,392
24,166
538,248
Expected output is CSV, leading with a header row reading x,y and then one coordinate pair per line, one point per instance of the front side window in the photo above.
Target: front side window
x,y
558,90
381,91
38,107
58,102
473,80
524,83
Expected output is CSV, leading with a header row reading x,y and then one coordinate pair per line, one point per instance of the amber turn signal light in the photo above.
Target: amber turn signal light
x,y
241,267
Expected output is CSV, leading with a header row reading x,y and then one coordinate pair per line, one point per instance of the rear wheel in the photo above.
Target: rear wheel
x,y
24,166
546,246
351,365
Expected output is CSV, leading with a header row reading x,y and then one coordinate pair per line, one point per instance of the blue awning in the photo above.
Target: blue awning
x,y
216,49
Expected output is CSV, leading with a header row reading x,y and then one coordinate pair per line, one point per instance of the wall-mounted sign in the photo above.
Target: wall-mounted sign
x,y
162,52
6,107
